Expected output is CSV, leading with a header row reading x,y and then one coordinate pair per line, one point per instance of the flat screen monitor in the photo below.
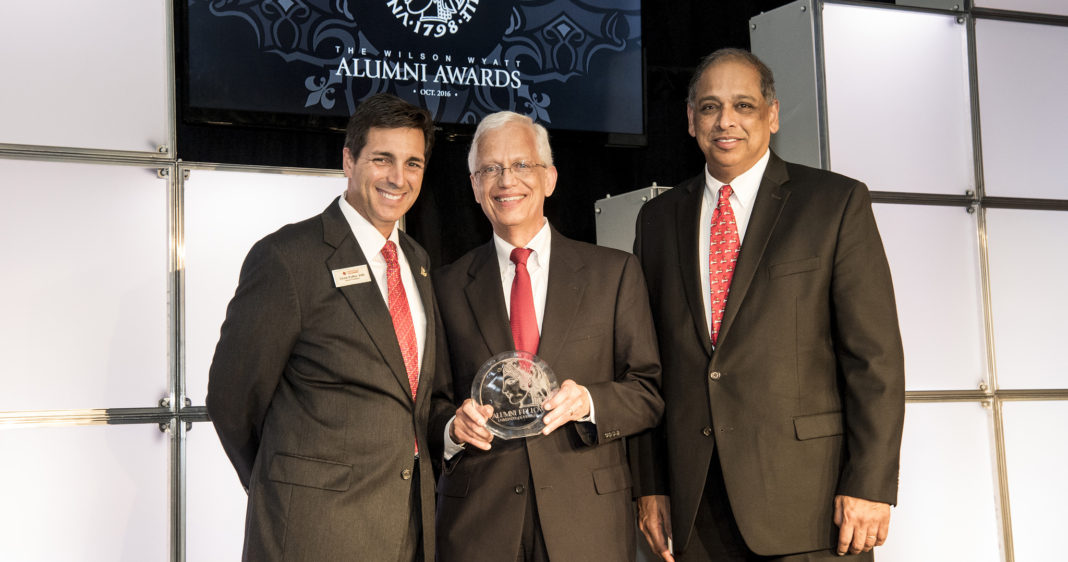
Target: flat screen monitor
x,y
574,65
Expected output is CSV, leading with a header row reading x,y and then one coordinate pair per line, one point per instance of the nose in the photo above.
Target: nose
x,y
726,118
508,176
396,174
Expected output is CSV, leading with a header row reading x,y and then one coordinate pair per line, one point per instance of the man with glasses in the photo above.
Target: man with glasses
x,y
320,385
563,494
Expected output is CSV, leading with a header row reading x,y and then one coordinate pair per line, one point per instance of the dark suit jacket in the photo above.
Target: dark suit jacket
x,y
804,394
310,398
597,331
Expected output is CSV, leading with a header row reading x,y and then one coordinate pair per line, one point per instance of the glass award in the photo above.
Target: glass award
x,y
515,383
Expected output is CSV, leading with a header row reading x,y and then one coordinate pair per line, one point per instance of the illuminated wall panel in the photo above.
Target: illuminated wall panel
x,y
226,212
84,298
89,493
886,125
934,259
86,74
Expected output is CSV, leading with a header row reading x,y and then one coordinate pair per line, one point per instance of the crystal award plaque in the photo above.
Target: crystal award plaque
x,y
515,383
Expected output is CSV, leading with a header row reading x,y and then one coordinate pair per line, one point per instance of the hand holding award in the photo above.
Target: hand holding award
x,y
515,383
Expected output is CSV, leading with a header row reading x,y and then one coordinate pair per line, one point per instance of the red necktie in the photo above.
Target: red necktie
x,y
722,254
524,322
402,316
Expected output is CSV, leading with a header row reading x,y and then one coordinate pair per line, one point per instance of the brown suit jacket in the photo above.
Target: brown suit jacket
x,y
804,394
311,401
598,331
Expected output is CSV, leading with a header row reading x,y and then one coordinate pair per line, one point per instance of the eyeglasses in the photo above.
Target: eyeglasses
x,y
521,169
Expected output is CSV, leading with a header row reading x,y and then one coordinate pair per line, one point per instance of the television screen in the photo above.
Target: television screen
x,y
569,64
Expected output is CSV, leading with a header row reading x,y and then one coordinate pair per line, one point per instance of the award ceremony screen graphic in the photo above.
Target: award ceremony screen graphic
x,y
573,64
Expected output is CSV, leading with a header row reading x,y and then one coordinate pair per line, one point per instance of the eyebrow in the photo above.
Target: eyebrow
x,y
393,156
740,97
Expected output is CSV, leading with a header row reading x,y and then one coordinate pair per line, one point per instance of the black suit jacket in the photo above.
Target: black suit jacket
x,y
597,331
804,393
310,398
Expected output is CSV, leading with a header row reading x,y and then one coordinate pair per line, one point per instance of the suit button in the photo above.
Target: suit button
x,y
519,488
406,474
706,431
714,375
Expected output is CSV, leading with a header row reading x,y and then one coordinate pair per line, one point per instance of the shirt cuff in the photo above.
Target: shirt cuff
x,y
452,447
592,416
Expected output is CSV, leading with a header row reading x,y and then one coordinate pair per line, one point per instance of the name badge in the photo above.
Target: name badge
x,y
351,275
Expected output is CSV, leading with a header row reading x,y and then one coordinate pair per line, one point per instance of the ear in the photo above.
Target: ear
x,y
476,189
774,117
689,120
550,180
348,162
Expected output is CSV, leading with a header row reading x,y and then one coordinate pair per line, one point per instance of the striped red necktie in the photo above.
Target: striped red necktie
x,y
402,316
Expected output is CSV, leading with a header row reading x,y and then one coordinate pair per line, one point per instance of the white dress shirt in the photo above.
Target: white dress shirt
x,y
744,188
537,266
371,243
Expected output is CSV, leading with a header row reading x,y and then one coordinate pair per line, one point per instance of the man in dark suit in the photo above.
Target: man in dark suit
x,y
785,405
564,494
331,332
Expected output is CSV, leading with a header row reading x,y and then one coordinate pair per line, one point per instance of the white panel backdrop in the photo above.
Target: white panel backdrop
x,y
1058,7
947,487
1037,454
897,99
1028,276
1023,77
226,212
86,74
84,298
214,500
934,260
89,493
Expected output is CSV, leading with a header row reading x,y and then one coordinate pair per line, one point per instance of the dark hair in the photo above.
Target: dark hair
x,y
387,111
767,79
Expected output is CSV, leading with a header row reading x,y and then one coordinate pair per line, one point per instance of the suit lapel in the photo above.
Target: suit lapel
x,y
770,199
486,300
563,296
688,215
420,271
365,299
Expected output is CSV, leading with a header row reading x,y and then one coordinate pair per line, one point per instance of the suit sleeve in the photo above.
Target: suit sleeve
x,y
869,353
647,450
631,403
442,404
262,324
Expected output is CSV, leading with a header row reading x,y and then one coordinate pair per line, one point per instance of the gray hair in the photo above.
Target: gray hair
x,y
767,79
501,118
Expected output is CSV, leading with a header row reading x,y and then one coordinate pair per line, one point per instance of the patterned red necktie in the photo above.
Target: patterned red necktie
x,y
524,323
402,316
723,248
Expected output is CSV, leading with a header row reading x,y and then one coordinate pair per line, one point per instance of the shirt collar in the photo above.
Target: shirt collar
x,y
540,244
367,236
745,186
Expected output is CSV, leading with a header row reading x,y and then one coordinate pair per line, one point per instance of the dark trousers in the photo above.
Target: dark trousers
x,y
532,545
716,535
412,549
